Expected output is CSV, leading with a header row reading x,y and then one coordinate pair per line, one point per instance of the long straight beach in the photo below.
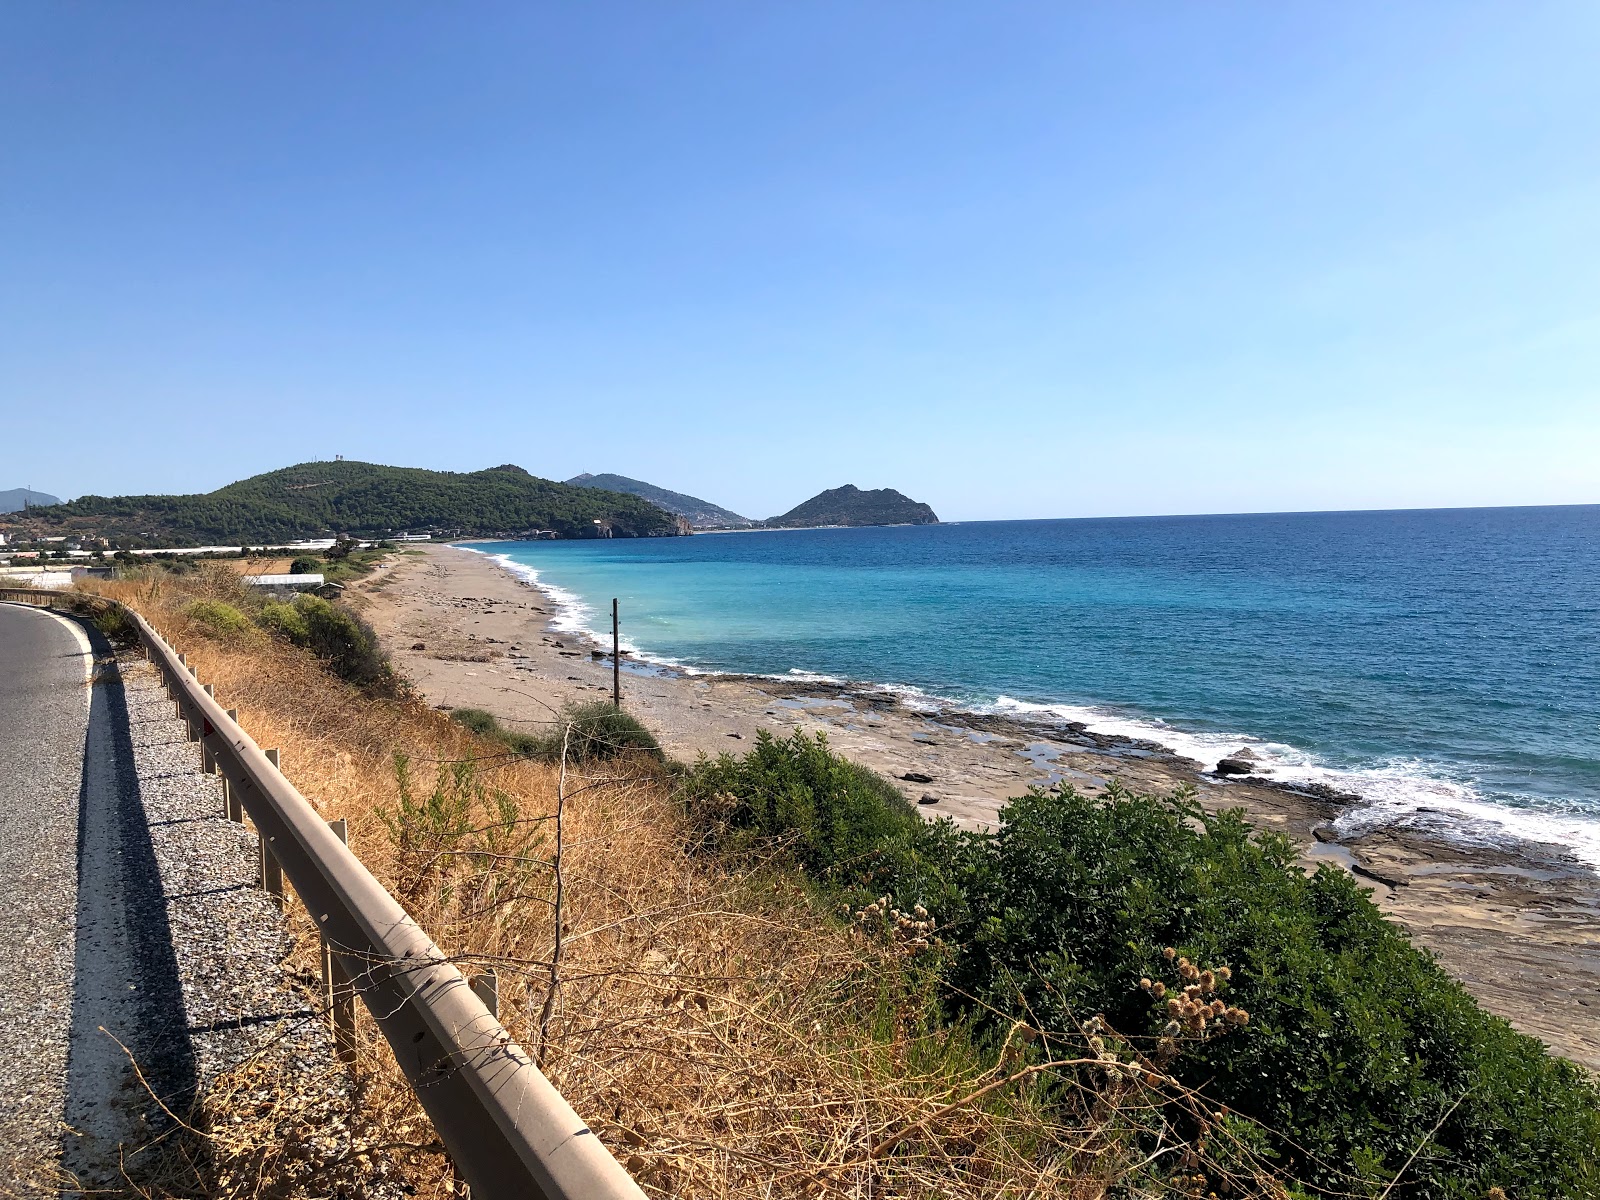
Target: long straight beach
x,y
1519,924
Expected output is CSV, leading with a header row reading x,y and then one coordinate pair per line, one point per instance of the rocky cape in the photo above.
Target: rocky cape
x,y
850,505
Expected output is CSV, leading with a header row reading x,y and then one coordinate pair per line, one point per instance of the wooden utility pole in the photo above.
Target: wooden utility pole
x,y
616,658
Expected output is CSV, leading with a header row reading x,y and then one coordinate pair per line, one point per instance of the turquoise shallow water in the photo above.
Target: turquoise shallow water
x,y
1444,664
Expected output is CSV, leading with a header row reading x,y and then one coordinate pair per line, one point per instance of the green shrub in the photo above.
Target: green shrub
x,y
346,643
597,731
529,745
1358,1045
285,621
477,720
219,619
600,731
846,826
1360,1051
338,637
113,621
464,842
305,566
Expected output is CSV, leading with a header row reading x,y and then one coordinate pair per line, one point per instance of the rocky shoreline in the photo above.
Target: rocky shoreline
x,y
1519,924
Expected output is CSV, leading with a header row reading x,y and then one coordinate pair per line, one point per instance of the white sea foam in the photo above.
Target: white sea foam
x,y
578,618
796,675
1409,793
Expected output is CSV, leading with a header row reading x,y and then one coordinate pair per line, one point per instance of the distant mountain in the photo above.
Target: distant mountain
x,y
19,498
849,505
702,514
322,498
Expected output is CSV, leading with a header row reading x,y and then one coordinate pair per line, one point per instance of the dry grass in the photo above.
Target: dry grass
x,y
723,1036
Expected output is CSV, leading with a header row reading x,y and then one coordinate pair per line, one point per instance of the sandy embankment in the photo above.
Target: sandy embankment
x,y
1521,927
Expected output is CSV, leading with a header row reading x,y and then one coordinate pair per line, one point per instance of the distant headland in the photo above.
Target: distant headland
x,y
849,505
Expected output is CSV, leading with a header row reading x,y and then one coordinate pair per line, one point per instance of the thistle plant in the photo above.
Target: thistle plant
x,y
1193,1007
913,930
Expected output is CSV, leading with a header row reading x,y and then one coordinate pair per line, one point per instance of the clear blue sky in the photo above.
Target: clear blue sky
x,y
1018,260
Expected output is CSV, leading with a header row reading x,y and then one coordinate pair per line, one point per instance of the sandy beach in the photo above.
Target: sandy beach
x,y
1519,925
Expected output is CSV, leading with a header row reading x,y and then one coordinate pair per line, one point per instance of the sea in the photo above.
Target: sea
x,y
1444,665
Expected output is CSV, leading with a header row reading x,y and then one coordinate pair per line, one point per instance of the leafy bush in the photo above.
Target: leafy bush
x,y
1358,1043
600,731
305,566
1359,1051
113,621
464,844
219,619
843,824
286,621
337,636
529,745
477,720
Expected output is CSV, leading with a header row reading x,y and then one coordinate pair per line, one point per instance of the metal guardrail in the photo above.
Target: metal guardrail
x,y
506,1128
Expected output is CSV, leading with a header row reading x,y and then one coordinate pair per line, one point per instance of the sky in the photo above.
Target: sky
x,y
1016,260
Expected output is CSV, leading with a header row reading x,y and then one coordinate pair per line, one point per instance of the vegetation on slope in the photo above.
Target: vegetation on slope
x,y
719,1031
849,505
1360,1061
976,1025
364,499
583,733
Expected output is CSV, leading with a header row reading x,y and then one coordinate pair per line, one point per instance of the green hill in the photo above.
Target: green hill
x,y
702,514
323,498
849,505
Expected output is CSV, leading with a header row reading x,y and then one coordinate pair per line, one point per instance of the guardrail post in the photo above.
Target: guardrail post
x,y
338,993
231,808
486,985
271,870
177,697
208,764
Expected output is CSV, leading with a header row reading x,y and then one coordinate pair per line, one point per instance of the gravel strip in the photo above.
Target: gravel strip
x,y
144,940
229,1001
228,934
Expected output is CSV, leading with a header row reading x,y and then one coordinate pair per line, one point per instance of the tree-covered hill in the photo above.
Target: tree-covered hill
x,y
849,505
320,499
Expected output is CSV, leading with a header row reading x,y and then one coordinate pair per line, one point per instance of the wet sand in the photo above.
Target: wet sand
x,y
1518,924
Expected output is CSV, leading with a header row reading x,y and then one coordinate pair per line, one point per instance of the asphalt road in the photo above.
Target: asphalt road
x,y
44,724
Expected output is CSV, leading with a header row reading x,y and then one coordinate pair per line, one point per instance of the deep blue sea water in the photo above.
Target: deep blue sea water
x,y
1445,664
